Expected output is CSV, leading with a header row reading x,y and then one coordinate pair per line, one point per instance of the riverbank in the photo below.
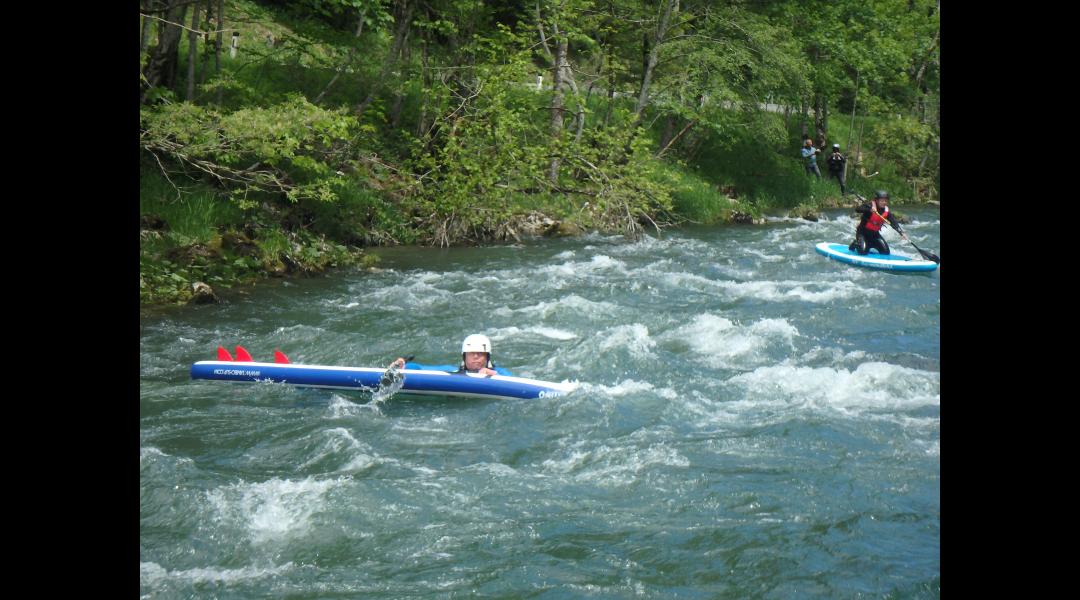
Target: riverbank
x,y
196,249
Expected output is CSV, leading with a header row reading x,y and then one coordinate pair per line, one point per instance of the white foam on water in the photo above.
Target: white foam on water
x,y
624,388
786,219
721,343
766,257
576,270
151,573
273,509
833,356
573,461
297,337
397,426
417,291
634,338
149,453
841,290
293,329
781,291
613,466
547,332
495,469
818,292
337,442
151,459
872,386
342,407
572,305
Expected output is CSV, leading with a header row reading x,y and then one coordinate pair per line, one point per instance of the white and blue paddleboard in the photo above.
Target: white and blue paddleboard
x,y
873,260
421,382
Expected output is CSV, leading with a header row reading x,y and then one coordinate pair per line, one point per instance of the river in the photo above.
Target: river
x,y
754,421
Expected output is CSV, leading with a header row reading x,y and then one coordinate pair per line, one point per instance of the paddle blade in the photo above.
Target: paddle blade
x,y
927,255
223,354
279,357
243,355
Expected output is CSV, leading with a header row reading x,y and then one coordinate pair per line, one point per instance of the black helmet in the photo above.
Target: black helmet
x,y
881,194
837,146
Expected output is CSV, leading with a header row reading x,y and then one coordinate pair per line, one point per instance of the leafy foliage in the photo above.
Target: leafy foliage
x,y
367,122
294,148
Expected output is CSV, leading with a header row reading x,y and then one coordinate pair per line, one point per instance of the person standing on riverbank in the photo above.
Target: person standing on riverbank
x,y
475,358
874,214
836,163
809,153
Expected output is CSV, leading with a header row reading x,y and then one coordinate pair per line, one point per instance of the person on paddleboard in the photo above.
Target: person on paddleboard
x,y
475,358
874,214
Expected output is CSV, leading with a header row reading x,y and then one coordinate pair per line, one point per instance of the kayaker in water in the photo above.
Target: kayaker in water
x,y
475,358
874,214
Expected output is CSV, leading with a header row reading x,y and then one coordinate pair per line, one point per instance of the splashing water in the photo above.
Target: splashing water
x,y
753,420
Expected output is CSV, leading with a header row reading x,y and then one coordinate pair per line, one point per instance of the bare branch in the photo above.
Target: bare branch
x,y
181,26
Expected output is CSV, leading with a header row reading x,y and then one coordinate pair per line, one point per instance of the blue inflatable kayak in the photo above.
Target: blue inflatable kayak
x,y
873,260
421,382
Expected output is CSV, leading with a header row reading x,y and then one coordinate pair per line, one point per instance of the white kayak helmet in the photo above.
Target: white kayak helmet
x,y
476,343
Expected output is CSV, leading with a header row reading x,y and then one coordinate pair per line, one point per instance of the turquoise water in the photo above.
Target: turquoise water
x,y
754,420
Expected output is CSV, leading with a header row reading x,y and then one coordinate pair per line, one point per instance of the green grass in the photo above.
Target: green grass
x,y
193,212
758,161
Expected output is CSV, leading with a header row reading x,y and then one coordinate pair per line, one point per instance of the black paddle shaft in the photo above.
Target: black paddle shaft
x,y
924,253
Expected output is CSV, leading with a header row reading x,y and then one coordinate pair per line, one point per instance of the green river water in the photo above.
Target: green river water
x,y
754,421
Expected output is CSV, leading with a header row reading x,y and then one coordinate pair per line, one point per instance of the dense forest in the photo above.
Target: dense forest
x,y
285,135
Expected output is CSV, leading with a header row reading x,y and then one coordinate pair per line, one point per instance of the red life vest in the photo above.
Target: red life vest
x,y
875,221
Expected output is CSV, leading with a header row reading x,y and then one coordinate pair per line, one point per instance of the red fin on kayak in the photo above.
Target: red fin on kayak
x,y
243,355
279,357
223,354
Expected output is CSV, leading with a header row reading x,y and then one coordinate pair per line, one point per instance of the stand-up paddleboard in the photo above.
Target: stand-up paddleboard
x,y
873,260
421,382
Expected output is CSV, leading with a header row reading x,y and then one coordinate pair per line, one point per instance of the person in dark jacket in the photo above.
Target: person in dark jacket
x,y
836,166
874,214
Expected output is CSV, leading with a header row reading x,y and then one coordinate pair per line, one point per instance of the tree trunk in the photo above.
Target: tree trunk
x,y
858,146
804,110
144,34
670,7
851,130
425,80
821,118
609,52
557,108
193,47
403,11
348,59
206,41
217,47
399,96
165,55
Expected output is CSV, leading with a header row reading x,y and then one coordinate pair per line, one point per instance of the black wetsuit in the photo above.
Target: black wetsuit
x,y
836,168
866,238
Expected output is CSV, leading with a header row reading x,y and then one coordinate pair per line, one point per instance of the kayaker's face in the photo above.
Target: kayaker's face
x,y
475,360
